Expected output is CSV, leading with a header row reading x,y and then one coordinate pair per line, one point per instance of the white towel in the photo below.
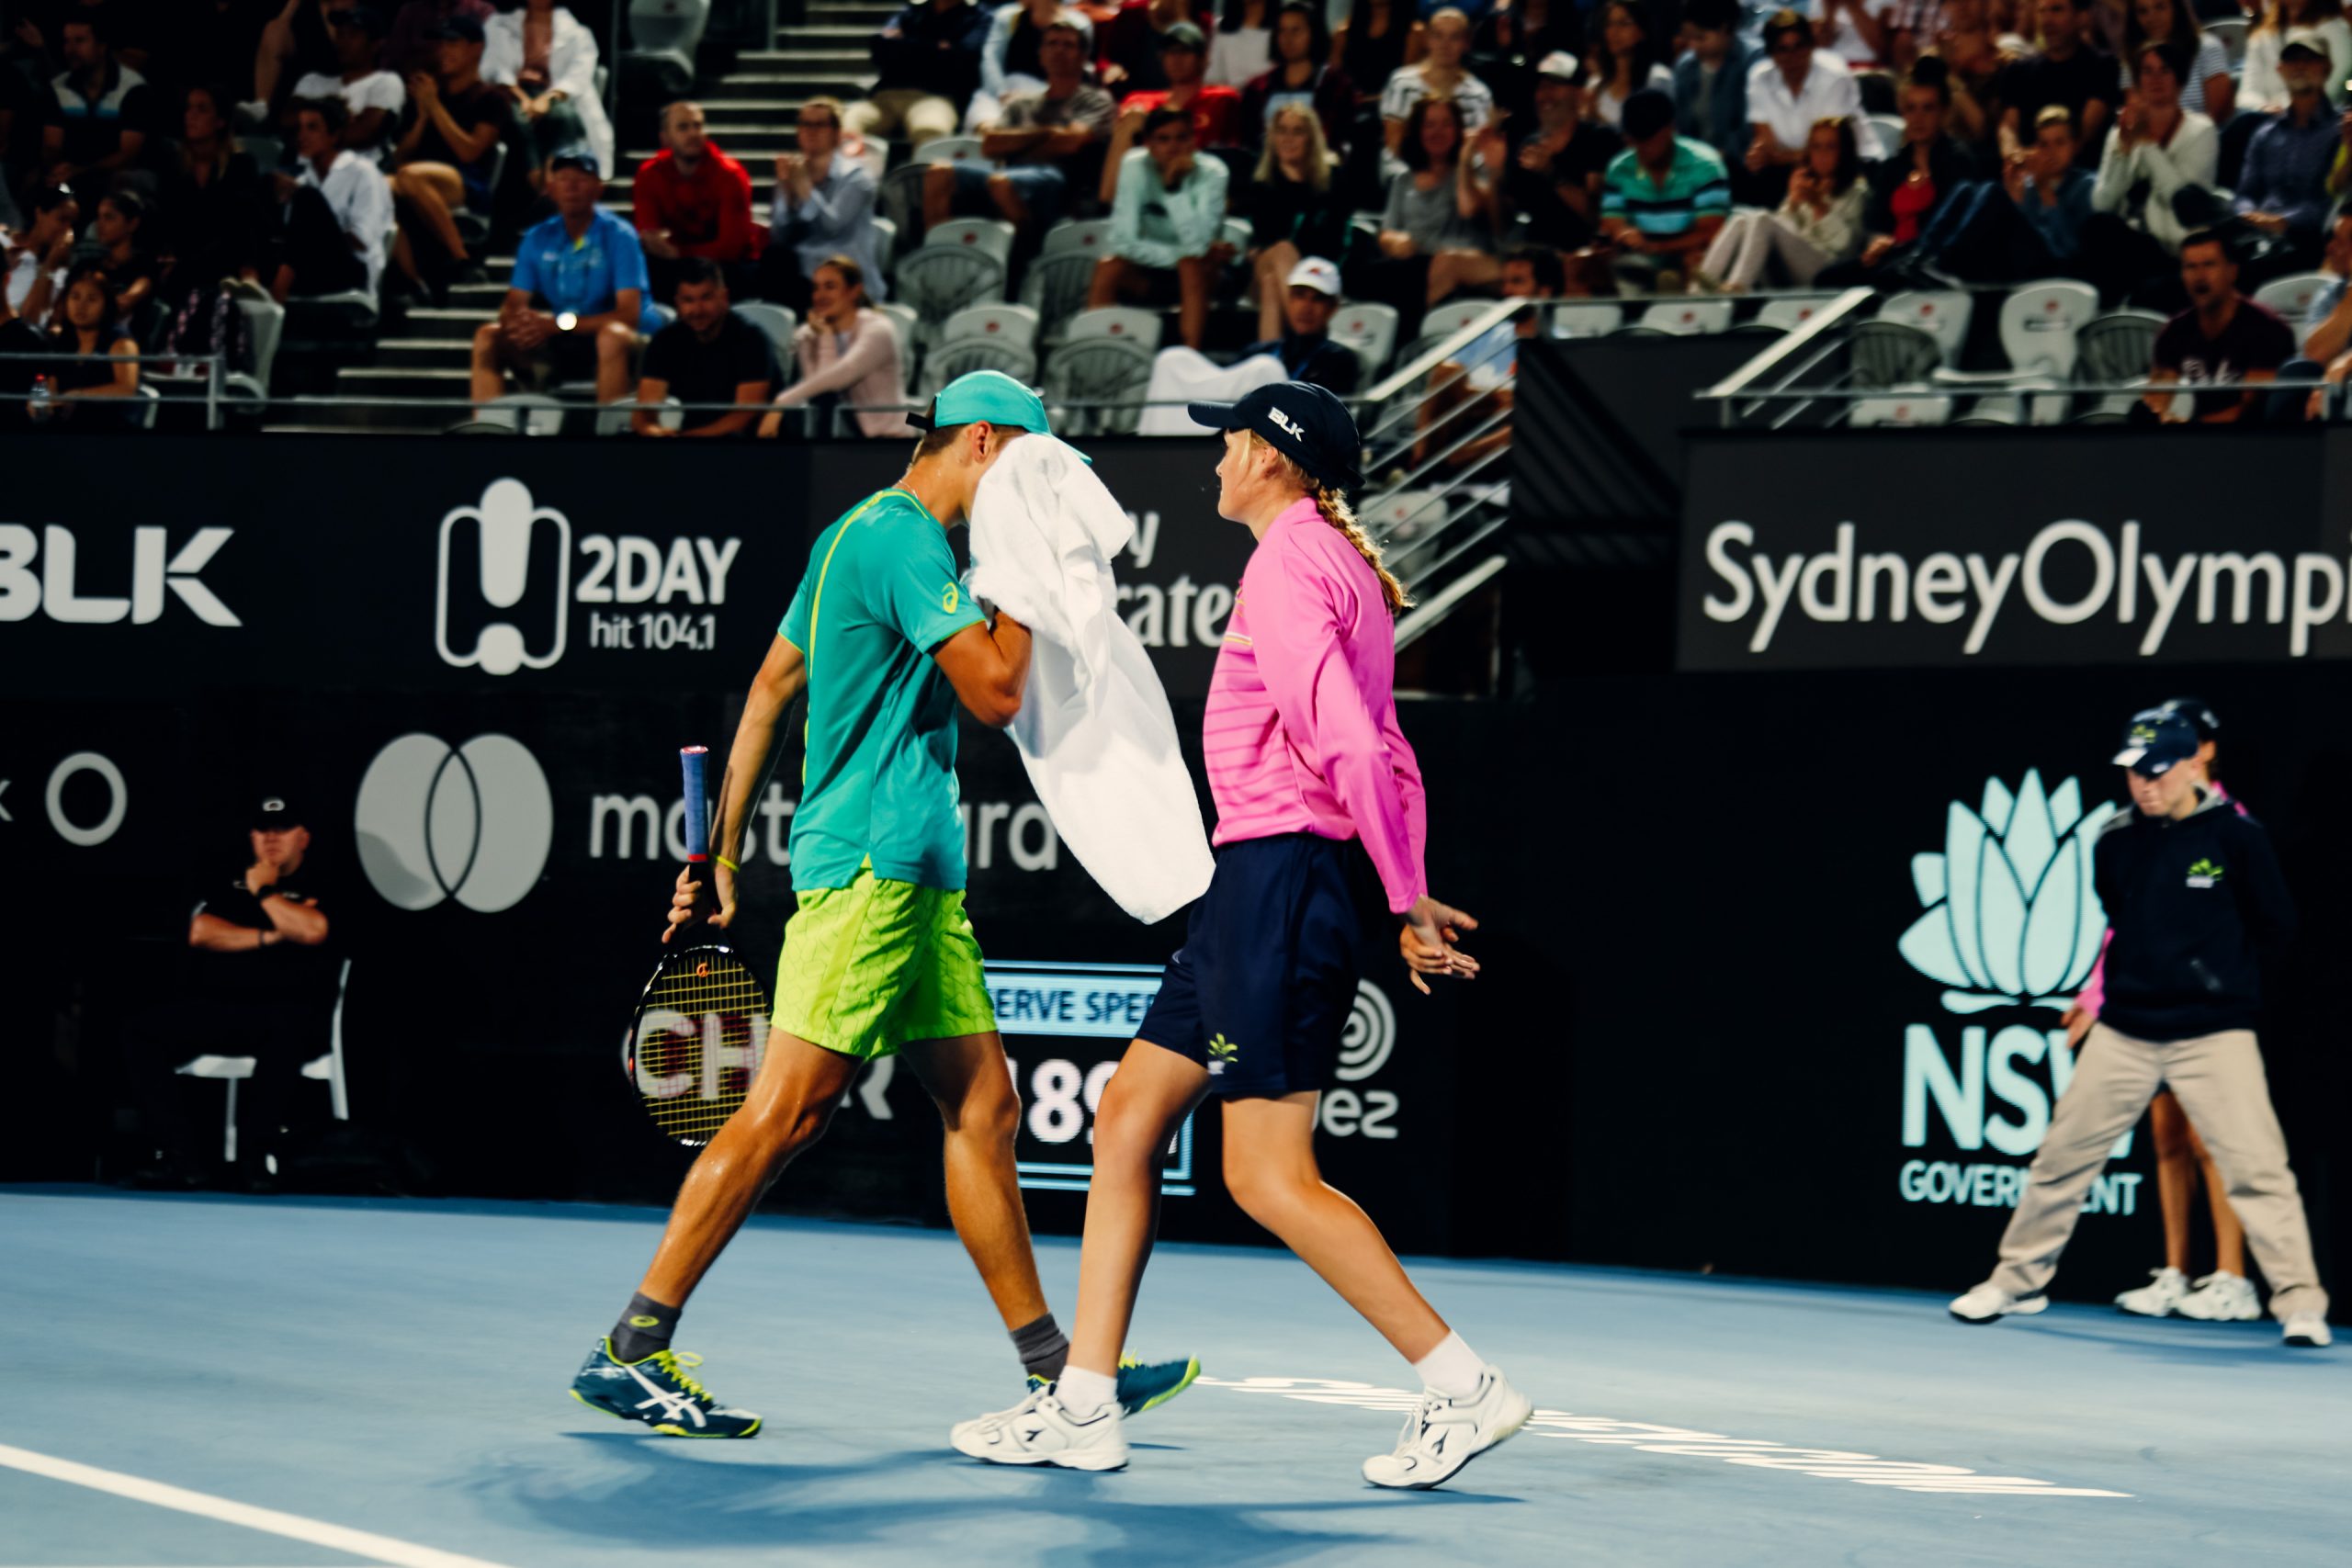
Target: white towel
x,y
1094,731
1181,376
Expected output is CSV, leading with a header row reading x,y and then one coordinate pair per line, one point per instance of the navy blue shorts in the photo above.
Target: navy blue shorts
x,y
1261,991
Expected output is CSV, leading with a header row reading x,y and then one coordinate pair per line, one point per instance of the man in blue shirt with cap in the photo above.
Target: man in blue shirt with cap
x,y
578,297
2193,895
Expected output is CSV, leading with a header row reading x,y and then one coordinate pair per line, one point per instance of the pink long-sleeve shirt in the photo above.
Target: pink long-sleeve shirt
x,y
1301,729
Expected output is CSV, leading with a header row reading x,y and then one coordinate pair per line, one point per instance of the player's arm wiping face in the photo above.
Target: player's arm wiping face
x,y
987,666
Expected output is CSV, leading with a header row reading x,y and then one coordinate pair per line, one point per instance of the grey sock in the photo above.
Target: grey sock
x,y
1042,1348
644,1328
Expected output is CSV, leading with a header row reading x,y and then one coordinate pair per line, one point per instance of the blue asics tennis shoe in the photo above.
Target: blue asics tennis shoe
x,y
659,1391
1145,1385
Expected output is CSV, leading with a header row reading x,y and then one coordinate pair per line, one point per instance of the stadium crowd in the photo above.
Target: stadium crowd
x,y
1255,163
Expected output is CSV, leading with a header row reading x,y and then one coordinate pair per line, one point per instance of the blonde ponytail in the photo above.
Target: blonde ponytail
x,y
1333,505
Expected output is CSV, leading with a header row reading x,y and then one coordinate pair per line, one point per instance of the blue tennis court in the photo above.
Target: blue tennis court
x,y
290,1384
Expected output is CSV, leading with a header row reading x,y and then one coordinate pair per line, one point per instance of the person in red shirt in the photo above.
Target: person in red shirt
x,y
1216,111
691,200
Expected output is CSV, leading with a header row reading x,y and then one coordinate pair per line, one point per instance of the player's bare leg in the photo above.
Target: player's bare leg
x,y
969,1079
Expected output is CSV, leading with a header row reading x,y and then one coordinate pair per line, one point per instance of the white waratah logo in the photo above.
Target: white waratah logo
x,y
470,822
1370,1036
1298,432
2011,916
502,528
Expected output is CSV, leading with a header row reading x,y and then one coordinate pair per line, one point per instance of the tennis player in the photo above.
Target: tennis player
x,y
1313,786
880,955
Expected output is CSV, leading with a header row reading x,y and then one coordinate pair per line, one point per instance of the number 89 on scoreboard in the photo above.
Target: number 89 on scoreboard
x,y
1065,1028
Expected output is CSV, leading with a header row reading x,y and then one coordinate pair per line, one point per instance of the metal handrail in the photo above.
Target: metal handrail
x,y
1462,337
1809,336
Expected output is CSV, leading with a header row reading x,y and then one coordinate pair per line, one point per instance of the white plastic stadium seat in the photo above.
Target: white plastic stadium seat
x,y
1790,311
265,326
1370,330
1890,132
1688,318
1075,234
1942,314
533,413
940,279
1116,320
992,236
1906,409
1587,317
1097,371
2291,297
778,322
1055,288
1012,325
231,1070
1404,515
2232,31
960,356
1444,321
951,150
2040,321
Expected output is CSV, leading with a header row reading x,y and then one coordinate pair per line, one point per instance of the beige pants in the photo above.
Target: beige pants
x,y
2219,1083
921,116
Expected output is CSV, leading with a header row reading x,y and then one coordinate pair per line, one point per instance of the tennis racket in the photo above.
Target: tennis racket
x,y
701,1025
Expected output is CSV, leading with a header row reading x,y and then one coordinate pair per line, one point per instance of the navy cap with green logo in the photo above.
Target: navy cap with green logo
x,y
2156,742
1303,421
2198,711
984,396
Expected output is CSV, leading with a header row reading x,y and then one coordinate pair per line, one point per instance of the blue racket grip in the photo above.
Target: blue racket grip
x,y
690,760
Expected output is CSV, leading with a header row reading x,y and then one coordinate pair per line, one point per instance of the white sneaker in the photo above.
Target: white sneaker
x,y
2160,1299
1443,1435
1039,1431
2308,1331
1988,1301
2221,1298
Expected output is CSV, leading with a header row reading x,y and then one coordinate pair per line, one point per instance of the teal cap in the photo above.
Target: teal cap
x,y
984,395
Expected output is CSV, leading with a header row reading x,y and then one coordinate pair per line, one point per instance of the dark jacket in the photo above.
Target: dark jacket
x,y
1950,164
1332,366
2192,905
1727,102
936,52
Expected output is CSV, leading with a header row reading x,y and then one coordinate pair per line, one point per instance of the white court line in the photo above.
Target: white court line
x,y
294,1527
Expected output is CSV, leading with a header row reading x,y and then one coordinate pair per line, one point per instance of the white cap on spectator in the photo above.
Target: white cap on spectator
x,y
1560,65
2311,38
1315,273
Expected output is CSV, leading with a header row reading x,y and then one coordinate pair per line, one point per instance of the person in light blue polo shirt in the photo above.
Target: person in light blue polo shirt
x,y
578,297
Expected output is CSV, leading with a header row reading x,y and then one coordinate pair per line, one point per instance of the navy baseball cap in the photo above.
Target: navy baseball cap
x,y
2156,742
2198,712
578,155
1303,421
273,813
459,27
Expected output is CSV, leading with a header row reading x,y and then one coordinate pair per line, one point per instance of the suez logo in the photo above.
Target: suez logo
x,y
1184,613
156,571
506,584
2105,576
2011,923
997,833
470,822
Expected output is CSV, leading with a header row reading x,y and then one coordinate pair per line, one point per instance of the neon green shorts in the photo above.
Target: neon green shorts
x,y
870,966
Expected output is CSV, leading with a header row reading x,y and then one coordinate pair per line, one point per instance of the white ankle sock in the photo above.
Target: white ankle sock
x,y
1452,1368
1083,1392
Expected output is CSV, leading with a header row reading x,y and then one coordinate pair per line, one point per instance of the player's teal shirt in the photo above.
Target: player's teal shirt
x,y
879,780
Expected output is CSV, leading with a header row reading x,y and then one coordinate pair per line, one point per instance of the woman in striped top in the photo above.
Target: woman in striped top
x,y
1318,799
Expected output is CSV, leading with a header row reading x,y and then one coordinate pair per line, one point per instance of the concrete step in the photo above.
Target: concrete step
x,y
839,35
347,429
326,416
404,381
447,324
422,353
848,14
850,54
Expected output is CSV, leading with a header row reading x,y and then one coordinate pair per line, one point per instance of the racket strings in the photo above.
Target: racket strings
x,y
701,1030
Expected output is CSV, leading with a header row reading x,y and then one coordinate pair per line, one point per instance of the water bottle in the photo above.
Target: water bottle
x,y
41,400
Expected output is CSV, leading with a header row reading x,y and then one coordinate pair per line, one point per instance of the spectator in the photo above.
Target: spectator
x,y
1509,41
1906,189
1711,81
1293,210
1303,74
373,96
2030,225
420,27
1304,345
2065,71
1047,141
1215,111
338,211
99,121
1856,31
212,206
823,206
2261,86
298,40
848,355
1819,225
2203,74
196,41
1012,58
1379,38
709,355
1663,200
124,255
21,117
1793,89
1242,46
692,201
2221,337
1441,76
35,257
444,161
2282,189
928,57
1552,178
2327,325
1433,236
1623,61
1128,45
1975,56
1165,224
578,298
547,62
101,361
2158,149
1482,378
259,983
